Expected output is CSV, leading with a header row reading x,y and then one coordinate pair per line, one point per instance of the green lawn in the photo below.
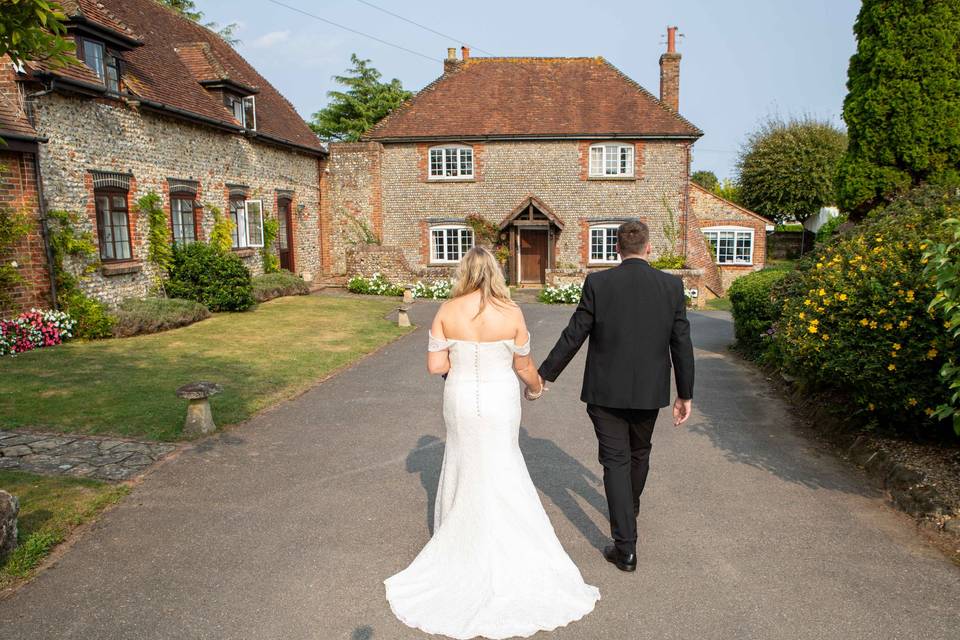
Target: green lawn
x,y
50,507
718,304
126,386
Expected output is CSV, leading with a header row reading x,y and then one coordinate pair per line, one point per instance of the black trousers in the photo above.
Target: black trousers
x,y
624,439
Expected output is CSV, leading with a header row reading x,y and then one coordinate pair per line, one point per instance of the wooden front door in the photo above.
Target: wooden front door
x,y
533,256
284,235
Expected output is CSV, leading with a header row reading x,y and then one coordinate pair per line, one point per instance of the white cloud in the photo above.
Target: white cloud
x,y
268,40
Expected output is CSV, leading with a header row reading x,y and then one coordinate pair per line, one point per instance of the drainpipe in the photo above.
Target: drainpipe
x,y
41,200
45,230
686,203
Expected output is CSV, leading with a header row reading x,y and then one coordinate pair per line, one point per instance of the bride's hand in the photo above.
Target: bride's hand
x,y
530,394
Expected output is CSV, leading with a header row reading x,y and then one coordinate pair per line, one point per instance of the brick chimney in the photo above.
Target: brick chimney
x,y
451,62
670,72
465,53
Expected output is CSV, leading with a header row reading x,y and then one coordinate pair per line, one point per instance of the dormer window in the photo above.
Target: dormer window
x,y
103,63
611,161
243,109
452,161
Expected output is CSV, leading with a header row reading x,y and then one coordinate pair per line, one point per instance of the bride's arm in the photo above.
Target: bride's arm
x,y
523,364
438,361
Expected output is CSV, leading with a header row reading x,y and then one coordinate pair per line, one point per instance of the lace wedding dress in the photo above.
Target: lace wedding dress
x,y
494,567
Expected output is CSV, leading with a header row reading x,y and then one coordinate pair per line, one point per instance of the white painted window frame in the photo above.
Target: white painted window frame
x,y
737,231
252,101
444,150
445,229
251,210
599,159
606,228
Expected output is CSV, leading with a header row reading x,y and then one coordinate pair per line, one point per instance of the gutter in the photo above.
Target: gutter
x,y
21,137
547,136
45,230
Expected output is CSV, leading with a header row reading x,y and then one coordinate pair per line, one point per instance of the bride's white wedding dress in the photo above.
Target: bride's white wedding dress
x,y
494,567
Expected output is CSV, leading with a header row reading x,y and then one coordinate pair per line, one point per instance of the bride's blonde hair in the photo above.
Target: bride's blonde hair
x,y
479,271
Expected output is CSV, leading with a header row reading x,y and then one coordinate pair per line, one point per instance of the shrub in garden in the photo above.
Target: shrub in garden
x,y
217,279
34,329
274,285
563,294
755,310
856,319
436,290
150,315
943,263
375,285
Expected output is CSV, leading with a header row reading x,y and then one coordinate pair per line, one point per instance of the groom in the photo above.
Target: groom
x,y
635,316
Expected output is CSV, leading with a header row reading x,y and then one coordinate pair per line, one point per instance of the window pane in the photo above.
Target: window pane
x,y
626,161
744,251
436,162
611,244
450,162
438,253
725,246
93,56
119,202
466,162
282,212
596,161
113,74
254,223
249,113
596,244
611,165
239,220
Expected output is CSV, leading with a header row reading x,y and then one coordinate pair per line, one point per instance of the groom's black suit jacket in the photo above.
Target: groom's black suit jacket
x,y
636,318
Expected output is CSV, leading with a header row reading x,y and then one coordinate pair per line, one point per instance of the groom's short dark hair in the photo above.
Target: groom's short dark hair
x,y
632,237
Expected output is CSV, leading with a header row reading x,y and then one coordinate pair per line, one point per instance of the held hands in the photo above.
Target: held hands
x,y
533,394
681,411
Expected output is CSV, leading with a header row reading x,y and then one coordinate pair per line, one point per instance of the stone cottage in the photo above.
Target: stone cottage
x,y
155,103
555,153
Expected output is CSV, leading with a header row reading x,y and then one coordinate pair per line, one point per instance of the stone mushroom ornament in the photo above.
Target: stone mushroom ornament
x,y
199,417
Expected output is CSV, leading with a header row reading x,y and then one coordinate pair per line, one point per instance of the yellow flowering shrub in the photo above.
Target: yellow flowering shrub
x,y
856,316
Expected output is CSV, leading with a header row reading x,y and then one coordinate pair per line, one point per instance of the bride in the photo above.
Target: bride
x,y
494,567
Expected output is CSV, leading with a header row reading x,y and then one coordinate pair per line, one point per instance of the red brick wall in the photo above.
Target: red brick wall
x,y
18,191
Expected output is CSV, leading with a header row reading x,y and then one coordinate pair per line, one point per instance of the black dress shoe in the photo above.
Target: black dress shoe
x,y
623,561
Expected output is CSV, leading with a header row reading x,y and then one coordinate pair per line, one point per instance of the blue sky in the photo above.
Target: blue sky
x,y
742,60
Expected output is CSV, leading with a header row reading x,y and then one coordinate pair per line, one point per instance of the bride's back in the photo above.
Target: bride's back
x,y
463,319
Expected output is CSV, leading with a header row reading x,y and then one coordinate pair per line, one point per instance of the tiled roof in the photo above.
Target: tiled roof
x,y
537,97
13,120
175,55
98,13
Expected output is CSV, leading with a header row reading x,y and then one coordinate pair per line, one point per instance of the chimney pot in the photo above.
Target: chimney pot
x,y
465,51
670,72
451,53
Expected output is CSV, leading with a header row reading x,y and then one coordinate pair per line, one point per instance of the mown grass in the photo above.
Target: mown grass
x,y
127,386
50,508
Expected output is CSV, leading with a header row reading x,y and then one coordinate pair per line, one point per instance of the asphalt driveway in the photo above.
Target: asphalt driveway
x,y
285,526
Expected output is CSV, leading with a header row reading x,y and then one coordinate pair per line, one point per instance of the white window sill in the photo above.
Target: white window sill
x,y
597,263
455,179
631,177
734,264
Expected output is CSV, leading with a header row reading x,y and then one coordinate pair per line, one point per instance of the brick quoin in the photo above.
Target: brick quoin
x,y
18,191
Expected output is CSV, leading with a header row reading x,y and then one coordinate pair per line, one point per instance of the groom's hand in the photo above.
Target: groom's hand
x,y
681,411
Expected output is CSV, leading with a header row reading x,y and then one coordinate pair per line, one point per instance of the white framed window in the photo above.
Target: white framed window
x,y
93,54
611,160
452,161
449,243
243,109
730,245
603,243
247,218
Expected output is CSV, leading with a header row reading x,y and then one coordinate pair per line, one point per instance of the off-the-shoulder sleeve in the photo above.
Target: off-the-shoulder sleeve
x,y
525,349
435,344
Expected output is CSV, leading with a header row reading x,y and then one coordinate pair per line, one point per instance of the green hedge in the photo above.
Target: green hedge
x,y
755,310
217,279
150,315
274,285
855,315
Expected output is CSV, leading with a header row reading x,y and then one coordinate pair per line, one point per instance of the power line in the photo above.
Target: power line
x,y
417,24
359,33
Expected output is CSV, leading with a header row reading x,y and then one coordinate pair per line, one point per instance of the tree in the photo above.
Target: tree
x,y
903,101
365,102
787,169
706,179
188,9
33,30
728,190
